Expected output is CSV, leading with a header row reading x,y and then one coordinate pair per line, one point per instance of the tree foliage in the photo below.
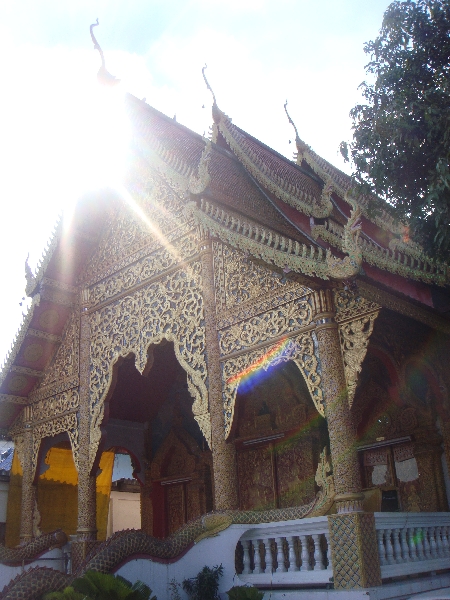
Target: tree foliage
x,y
401,134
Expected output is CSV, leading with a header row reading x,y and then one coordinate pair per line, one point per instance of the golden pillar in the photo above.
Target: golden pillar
x,y
25,451
223,453
352,532
87,527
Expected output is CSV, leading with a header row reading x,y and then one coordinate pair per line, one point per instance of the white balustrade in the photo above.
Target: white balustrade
x,y
412,542
287,553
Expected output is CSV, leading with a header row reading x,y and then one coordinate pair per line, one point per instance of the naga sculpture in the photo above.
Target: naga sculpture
x,y
127,543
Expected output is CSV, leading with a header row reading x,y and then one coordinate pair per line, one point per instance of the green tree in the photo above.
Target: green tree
x,y
205,586
401,133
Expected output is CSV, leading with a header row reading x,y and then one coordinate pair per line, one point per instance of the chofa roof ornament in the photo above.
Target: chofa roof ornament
x,y
104,77
302,148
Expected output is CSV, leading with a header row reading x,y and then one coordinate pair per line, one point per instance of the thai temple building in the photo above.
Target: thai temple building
x,y
268,354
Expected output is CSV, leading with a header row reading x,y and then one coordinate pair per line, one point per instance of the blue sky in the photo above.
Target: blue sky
x,y
259,52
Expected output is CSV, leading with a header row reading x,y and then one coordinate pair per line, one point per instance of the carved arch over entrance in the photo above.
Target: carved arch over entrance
x,y
300,349
169,309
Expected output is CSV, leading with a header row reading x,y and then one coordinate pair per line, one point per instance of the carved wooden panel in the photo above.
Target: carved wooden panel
x,y
256,478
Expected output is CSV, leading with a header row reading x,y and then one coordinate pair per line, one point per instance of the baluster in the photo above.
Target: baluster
x,y
381,547
247,552
419,543
281,567
257,557
445,544
389,548
426,543
292,556
433,543
412,544
404,545
305,554
330,564
318,558
269,558
397,547
439,542
263,556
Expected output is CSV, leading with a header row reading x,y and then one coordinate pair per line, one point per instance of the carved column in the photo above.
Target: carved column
x,y
224,455
87,528
25,451
341,428
353,538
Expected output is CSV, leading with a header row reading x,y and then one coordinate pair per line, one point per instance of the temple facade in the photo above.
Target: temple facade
x,y
264,347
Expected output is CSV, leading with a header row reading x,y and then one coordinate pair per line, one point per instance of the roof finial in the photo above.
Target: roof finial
x,y
103,76
301,146
207,84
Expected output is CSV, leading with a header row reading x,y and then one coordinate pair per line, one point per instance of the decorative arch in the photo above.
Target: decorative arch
x,y
170,309
299,349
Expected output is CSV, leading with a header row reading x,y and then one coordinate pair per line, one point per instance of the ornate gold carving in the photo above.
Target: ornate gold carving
x,y
146,268
299,349
20,336
17,383
33,280
26,371
153,211
171,309
285,319
286,253
65,363
67,423
303,200
33,352
238,281
341,427
403,307
393,260
324,477
354,341
350,306
55,405
199,181
56,339
13,399
49,318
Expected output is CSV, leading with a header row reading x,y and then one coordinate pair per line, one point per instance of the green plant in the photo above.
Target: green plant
x,y
67,594
205,585
102,586
244,592
174,589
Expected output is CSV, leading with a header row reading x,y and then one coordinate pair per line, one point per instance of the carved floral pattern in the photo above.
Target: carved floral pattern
x,y
170,308
284,319
300,349
144,269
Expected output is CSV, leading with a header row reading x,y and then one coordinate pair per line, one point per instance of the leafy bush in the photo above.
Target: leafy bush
x,y
244,592
101,586
205,585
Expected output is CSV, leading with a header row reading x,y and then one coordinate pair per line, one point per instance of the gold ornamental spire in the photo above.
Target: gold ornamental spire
x,y
104,77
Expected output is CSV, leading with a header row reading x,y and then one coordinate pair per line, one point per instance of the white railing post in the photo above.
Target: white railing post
x,y
269,558
292,557
330,564
389,548
419,542
305,554
318,558
404,544
247,549
281,568
381,547
257,556
397,548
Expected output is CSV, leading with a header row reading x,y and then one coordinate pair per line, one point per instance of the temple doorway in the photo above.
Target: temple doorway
x,y
149,417
278,435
